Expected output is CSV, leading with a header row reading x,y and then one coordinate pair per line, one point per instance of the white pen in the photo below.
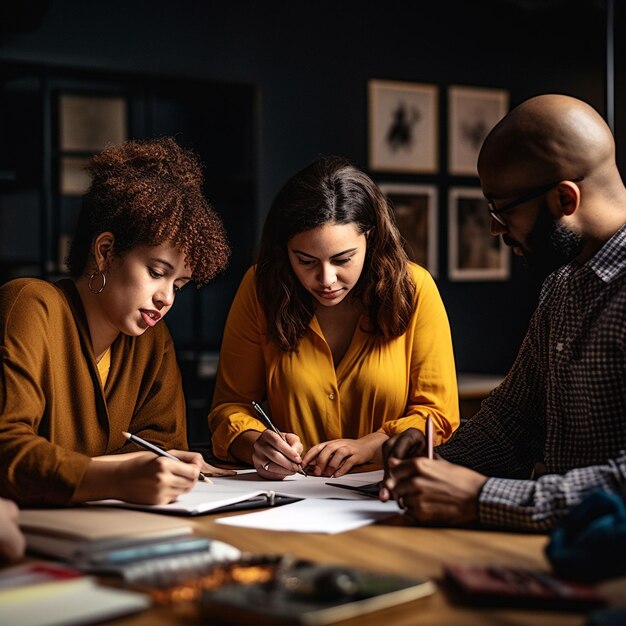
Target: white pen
x,y
150,446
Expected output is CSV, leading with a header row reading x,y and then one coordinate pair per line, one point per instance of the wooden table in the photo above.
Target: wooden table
x,y
395,547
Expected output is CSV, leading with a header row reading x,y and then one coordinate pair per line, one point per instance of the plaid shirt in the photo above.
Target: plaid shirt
x,y
562,404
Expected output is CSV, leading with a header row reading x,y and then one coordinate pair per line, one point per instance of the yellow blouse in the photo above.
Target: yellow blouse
x,y
104,366
379,385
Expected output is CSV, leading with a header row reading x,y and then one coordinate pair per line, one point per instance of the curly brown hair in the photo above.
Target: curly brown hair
x,y
331,190
148,193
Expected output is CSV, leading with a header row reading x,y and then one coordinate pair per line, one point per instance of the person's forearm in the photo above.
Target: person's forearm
x,y
99,481
374,442
242,447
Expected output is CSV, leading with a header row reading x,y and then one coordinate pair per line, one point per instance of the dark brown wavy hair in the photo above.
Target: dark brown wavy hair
x,y
149,193
331,190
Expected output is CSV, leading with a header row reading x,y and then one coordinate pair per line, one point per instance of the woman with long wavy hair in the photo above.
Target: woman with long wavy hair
x,y
341,337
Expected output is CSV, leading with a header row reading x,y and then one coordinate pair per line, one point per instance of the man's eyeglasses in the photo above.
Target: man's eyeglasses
x,y
531,195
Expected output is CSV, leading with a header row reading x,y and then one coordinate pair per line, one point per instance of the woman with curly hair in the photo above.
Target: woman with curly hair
x,y
345,340
85,359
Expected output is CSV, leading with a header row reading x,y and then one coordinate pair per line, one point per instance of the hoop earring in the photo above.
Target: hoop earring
x,y
104,282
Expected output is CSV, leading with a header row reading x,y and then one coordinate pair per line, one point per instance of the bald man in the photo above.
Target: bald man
x,y
555,429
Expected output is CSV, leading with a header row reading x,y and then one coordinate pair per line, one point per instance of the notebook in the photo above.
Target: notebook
x,y
496,585
309,594
130,544
45,594
247,490
74,532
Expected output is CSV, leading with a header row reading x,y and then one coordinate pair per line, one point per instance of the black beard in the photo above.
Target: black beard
x,y
550,245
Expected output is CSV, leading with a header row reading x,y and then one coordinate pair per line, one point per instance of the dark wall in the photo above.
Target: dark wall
x,y
312,62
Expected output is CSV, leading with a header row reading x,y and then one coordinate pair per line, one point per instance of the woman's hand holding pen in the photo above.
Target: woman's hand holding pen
x,y
157,480
274,457
150,479
143,477
140,477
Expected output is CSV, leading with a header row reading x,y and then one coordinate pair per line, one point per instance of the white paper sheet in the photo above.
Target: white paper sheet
x,y
296,485
223,491
316,516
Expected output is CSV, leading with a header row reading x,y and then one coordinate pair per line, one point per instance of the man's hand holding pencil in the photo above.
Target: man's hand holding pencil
x,y
428,488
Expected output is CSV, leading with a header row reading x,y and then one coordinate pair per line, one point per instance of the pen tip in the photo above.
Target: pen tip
x,y
127,435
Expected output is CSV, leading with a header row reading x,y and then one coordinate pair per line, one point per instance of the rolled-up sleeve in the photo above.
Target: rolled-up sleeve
x,y
539,504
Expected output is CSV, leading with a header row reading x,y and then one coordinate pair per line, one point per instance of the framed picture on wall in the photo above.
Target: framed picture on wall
x,y
473,112
90,123
87,124
75,179
473,252
415,207
403,125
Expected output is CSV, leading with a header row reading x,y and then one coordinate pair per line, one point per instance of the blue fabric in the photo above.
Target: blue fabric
x,y
589,544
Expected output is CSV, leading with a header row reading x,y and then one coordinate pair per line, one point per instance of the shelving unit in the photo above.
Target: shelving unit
x,y
217,120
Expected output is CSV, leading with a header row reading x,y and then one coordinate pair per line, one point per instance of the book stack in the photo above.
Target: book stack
x,y
141,548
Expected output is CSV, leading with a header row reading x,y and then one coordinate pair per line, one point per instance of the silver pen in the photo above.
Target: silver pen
x,y
268,423
150,446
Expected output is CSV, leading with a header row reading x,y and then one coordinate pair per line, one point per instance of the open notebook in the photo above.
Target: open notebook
x,y
247,490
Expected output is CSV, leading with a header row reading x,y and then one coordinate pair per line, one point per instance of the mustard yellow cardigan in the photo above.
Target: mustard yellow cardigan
x,y
379,385
54,414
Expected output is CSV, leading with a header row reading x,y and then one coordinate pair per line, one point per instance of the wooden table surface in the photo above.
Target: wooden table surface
x,y
395,547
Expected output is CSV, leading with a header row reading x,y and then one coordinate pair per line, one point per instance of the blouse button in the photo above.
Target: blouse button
x,y
331,396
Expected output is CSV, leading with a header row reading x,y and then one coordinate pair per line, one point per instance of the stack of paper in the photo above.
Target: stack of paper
x,y
316,516
76,533
136,546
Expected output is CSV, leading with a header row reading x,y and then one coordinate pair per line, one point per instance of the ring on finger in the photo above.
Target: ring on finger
x,y
266,466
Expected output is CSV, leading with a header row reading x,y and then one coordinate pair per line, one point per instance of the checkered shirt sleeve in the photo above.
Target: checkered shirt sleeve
x,y
562,404
539,504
